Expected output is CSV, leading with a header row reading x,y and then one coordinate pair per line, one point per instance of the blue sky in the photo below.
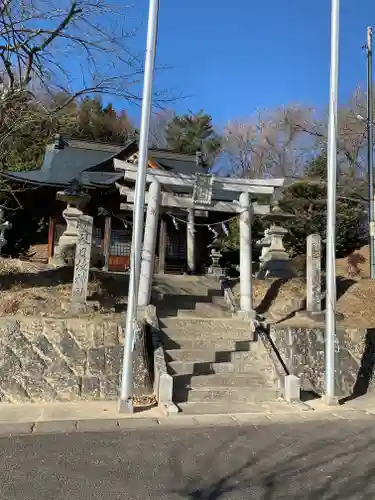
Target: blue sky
x,y
234,57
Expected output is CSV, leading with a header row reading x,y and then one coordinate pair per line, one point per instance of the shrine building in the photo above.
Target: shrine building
x,y
88,177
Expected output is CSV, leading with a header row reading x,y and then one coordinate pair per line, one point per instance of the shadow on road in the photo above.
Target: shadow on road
x,y
322,466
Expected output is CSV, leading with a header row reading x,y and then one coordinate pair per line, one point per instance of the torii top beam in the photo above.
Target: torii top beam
x,y
254,186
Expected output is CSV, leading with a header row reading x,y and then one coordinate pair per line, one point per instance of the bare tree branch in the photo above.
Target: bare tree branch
x,y
270,144
78,46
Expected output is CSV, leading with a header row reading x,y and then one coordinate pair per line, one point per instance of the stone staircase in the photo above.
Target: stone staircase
x,y
216,366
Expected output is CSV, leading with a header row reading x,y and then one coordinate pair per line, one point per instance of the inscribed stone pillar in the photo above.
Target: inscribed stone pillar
x,y
82,258
149,245
245,254
107,241
162,245
190,241
313,274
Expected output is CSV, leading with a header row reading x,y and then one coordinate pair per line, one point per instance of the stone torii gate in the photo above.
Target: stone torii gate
x,y
202,186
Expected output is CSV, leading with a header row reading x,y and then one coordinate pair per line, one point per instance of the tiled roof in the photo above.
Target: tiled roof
x,y
183,164
69,159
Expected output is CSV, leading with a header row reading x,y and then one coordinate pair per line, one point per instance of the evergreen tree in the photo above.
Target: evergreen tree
x,y
307,200
96,122
193,132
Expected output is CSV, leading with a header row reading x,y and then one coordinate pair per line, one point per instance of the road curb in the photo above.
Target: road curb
x,y
68,426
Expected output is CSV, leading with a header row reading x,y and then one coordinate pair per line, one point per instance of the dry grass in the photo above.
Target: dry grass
x,y
358,304
9,267
355,291
291,288
355,265
355,299
29,289
144,402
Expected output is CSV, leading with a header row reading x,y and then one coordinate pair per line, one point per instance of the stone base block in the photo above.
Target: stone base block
x,y
77,306
251,317
292,388
330,401
246,314
276,269
169,409
165,388
126,406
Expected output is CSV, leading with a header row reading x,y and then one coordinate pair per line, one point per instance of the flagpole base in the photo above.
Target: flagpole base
x,y
126,406
330,400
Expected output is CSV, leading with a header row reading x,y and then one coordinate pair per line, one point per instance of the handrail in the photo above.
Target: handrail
x,y
280,367
264,334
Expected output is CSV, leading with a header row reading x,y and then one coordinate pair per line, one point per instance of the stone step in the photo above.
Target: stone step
x,y
207,368
188,294
208,297
219,300
207,355
250,380
219,408
184,284
189,303
225,394
185,342
202,328
204,311
202,335
216,305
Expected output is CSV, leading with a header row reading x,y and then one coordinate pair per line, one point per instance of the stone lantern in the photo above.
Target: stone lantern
x,y
274,259
215,268
76,200
264,243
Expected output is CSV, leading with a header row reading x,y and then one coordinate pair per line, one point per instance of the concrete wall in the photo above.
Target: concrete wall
x,y
60,360
302,350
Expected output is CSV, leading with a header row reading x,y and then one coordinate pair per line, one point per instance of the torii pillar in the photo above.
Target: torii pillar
x,y
190,239
149,245
246,302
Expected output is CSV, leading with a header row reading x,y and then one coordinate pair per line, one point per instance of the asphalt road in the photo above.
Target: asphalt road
x,y
314,460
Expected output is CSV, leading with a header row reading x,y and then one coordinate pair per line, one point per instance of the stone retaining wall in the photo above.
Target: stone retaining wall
x,y
59,359
302,350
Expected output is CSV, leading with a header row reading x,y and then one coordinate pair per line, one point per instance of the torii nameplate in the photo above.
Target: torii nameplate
x,y
202,192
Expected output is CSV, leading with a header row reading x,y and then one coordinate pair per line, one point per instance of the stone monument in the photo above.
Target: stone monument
x,y
82,259
76,200
275,260
313,275
314,296
4,226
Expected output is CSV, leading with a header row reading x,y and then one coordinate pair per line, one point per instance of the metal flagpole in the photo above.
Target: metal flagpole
x,y
330,320
126,402
370,141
